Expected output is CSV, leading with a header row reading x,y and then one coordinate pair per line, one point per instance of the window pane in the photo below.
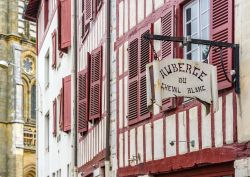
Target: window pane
x,y
204,5
189,56
195,55
204,19
204,33
33,102
188,14
188,32
204,53
194,27
194,11
189,48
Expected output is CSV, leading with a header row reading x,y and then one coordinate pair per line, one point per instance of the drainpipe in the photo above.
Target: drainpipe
x,y
74,128
107,155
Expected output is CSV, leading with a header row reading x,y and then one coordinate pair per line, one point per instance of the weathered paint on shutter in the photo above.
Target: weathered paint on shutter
x,y
67,103
54,117
54,50
88,10
133,85
83,89
65,8
221,29
96,84
167,29
144,59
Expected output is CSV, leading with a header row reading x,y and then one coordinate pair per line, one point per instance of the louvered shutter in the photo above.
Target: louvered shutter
x,y
61,110
54,117
59,23
144,59
167,29
133,85
221,29
67,103
54,49
88,9
83,101
96,84
46,13
98,4
65,24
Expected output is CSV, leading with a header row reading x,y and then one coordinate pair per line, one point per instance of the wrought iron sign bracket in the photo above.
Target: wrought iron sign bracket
x,y
188,40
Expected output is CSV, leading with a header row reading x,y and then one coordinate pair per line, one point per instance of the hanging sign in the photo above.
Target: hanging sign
x,y
169,78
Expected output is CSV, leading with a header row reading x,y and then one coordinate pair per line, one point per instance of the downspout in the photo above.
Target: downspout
x,y
107,154
74,131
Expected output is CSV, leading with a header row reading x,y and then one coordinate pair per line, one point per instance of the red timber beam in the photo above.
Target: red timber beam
x,y
189,160
97,161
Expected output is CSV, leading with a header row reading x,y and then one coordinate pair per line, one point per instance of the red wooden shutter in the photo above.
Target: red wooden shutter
x,y
67,103
83,101
167,29
221,29
64,24
133,85
85,26
46,13
88,11
54,50
96,84
144,59
54,117
59,23
61,110
98,5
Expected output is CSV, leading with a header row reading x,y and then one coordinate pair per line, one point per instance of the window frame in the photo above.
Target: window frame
x,y
199,48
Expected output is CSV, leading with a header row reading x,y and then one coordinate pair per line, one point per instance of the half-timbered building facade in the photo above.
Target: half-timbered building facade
x,y
117,135
180,139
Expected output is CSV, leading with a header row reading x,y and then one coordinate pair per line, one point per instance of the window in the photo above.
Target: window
x,y
90,90
33,102
90,9
196,25
84,26
139,55
46,70
46,132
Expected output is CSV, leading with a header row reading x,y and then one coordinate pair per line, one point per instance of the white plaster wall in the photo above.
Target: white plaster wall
x,y
242,37
59,155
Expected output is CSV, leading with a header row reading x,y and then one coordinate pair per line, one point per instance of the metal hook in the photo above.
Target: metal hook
x,y
223,68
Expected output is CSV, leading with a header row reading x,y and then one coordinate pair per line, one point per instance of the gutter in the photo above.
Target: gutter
x,y
107,154
74,121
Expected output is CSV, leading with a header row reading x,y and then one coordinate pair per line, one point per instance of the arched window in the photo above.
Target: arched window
x,y
33,102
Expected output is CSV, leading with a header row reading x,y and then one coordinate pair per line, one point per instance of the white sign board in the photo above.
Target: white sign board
x,y
181,78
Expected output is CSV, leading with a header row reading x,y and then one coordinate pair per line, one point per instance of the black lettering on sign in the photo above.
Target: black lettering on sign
x,y
182,80
196,89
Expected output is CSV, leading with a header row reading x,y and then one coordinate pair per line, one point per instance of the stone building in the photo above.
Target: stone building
x,y
17,91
